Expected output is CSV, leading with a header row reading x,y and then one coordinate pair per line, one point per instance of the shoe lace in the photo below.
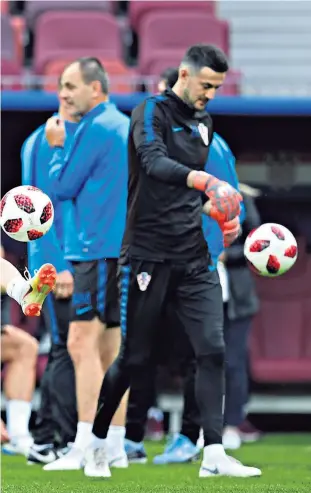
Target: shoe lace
x,y
100,457
27,274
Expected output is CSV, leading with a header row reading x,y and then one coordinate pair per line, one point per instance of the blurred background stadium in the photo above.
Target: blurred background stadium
x,y
263,111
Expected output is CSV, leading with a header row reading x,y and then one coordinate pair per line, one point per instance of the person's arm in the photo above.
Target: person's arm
x,y
147,131
69,171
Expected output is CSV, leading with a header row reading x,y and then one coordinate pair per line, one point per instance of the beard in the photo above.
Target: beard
x,y
187,99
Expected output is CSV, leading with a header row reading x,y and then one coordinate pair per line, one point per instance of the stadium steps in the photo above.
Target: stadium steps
x,y
270,44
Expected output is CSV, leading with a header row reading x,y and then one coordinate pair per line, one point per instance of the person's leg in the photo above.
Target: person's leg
x,y
83,347
182,448
198,303
57,416
110,347
30,293
236,339
191,420
63,391
45,427
200,311
19,351
110,342
140,315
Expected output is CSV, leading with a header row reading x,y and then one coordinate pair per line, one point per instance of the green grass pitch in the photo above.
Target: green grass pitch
x,y
285,461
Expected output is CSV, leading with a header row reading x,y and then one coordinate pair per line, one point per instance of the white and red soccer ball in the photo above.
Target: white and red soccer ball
x,y
271,250
26,213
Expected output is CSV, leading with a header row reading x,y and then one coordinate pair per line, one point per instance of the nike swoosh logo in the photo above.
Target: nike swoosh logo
x,y
212,471
177,129
80,311
36,454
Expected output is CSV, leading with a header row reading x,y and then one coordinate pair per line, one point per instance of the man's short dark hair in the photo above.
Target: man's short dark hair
x,y
203,55
93,70
170,75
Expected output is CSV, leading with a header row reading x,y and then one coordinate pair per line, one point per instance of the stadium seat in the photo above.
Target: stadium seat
x,y
281,337
18,25
10,65
4,7
138,9
169,32
34,8
78,34
119,75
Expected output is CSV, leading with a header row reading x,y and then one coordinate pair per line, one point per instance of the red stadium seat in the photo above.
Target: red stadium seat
x,y
34,8
10,64
169,32
138,9
281,335
18,25
119,75
4,7
70,35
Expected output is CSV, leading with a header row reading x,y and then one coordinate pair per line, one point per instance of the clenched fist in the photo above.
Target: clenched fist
x,y
55,132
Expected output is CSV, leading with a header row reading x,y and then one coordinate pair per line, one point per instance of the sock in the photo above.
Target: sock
x,y
17,288
115,437
18,416
98,442
84,435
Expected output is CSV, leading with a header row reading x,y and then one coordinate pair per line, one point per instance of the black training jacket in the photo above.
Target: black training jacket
x,y
167,140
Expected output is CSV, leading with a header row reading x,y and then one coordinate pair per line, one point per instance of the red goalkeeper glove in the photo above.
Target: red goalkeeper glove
x,y
225,200
231,230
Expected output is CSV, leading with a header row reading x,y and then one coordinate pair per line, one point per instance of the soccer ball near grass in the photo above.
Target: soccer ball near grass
x,y
271,250
26,213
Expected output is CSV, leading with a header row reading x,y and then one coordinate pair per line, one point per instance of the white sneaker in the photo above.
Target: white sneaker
x,y
231,439
97,465
118,460
18,446
72,461
216,463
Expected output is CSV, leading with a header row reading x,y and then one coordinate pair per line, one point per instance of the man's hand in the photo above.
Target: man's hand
x,y
55,132
231,230
64,285
224,199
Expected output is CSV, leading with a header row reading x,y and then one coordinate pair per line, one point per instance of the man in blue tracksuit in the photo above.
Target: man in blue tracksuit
x,y
92,178
221,164
57,413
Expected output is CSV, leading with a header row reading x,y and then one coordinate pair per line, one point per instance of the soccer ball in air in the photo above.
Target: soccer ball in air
x,y
26,213
271,250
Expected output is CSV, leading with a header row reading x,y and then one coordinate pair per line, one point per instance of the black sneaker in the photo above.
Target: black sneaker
x,y
45,454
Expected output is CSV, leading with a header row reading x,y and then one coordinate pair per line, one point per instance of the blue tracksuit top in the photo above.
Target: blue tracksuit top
x,y
93,176
220,163
35,156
